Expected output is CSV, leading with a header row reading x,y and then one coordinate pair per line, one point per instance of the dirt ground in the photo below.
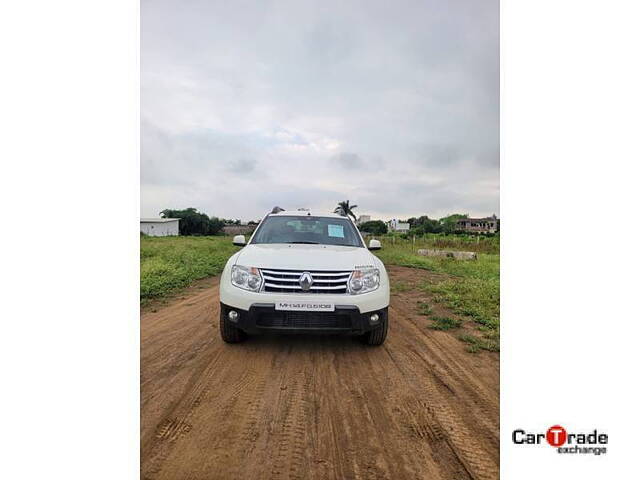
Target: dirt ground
x,y
314,407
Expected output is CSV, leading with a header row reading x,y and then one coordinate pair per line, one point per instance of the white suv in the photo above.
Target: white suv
x,y
302,272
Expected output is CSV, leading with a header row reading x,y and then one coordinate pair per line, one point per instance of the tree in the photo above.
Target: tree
x,y
215,226
193,222
448,223
424,224
375,227
344,208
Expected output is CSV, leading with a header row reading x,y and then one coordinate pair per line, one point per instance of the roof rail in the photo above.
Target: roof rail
x,y
277,210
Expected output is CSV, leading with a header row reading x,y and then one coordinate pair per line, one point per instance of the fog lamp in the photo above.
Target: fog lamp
x,y
374,318
233,315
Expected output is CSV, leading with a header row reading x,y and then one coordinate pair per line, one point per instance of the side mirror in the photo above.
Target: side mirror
x,y
375,245
239,241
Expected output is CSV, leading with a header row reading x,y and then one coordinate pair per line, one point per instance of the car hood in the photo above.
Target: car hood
x,y
305,257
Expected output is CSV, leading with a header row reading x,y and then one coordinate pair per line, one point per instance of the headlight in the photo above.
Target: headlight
x,y
363,281
247,278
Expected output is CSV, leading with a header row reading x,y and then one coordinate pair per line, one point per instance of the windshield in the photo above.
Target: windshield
x,y
307,229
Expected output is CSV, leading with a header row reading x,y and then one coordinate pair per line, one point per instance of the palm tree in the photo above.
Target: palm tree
x,y
344,208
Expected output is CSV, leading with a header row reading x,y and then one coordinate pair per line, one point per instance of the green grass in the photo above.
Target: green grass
x,y
398,287
463,242
490,342
424,308
445,323
170,263
470,288
475,298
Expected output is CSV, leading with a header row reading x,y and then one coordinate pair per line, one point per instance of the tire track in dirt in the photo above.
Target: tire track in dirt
x,y
313,407
291,431
178,421
450,374
418,433
475,459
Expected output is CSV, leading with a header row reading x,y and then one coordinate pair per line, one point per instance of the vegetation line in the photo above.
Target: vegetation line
x,y
170,263
470,289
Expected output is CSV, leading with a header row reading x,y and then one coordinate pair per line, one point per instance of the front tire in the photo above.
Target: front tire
x,y
378,335
228,331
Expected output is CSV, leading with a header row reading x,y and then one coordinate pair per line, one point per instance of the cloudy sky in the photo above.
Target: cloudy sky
x,y
251,104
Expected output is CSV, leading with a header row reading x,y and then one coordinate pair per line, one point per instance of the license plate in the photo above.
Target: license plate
x,y
305,306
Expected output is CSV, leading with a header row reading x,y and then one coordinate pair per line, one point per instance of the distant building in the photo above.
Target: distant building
x,y
363,219
397,226
478,225
160,227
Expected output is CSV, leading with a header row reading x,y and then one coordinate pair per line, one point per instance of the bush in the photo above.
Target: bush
x,y
193,222
376,227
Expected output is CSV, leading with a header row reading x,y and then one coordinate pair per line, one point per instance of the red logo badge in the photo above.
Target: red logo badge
x,y
556,436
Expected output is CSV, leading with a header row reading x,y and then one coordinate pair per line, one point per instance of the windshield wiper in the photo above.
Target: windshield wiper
x,y
308,243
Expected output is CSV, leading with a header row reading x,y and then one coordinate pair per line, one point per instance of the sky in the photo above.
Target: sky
x,y
250,104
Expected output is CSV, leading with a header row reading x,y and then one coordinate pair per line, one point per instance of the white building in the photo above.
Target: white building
x,y
397,226
160,227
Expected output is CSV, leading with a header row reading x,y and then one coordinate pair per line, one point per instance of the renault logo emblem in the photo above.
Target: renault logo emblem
x,y
306,280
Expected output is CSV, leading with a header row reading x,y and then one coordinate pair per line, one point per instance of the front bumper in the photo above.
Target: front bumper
x,y
346,319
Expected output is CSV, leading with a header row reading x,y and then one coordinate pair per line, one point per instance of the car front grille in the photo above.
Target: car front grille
x,y
288,281
304,320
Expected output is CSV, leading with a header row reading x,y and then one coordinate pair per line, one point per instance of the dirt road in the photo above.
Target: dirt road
x,y
314,407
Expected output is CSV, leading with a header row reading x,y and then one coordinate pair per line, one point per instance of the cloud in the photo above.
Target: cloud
x,y
303,104
348,160
242,165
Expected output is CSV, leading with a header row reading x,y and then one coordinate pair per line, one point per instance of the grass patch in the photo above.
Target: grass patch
x,y
478,299
490,343
460,242
473,286
470,289
171,263
445,323
399,287
424,308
